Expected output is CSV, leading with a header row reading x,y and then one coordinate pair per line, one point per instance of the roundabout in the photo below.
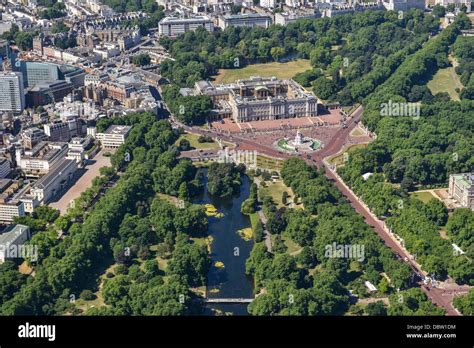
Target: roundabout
x,y
297,145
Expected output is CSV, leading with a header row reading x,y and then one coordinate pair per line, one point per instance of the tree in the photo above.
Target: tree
x,y
11,280
141,59
259,233
320,57
439,11
59,27
277,53
184,145
183,192
465,303
376,309
55,11
115,292
284,198
46,213
87,295
223,179
278,246
384,285
324,88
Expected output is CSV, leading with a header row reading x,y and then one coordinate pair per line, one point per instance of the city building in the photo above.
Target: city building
x,y
342,8
259,98
5,167
114,136
461,189
12,236
117,90
10,206
4,48
95,79
245,20
458,4
403,5
57,179
172,26
286,18
268,3
107,50
41,158
41,72
57,131
31,137
12,94
48,92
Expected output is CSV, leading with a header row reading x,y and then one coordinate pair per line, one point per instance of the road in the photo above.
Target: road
x,y
437,296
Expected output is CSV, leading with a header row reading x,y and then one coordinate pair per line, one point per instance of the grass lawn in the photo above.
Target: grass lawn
x,y
275,190
357,132
168,198
264,162
193,141
280,70
445,80
290,244
254,219
423,196
98,301
339,158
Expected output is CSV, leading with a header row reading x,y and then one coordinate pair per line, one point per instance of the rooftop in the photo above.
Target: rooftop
x,y
118,129
54,172
10,233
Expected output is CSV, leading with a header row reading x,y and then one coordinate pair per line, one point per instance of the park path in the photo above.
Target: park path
x,y
263,219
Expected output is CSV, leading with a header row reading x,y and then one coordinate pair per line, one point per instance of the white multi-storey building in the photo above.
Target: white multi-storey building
x,y
461,189
403,5
41,158
55,181
457,4
245,20
114,136
268,3
11,210
172,26
12,236
10,207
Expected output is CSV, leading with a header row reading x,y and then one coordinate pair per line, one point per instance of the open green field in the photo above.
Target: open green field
x,y
254,219
193,141
264,162
275,190
280,70
423,196
445,80
338,159
357,132
292,247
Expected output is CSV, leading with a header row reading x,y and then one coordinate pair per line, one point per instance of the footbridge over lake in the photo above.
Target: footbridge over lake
x,y
228,300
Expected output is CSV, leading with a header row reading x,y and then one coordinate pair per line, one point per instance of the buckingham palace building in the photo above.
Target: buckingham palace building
x,y
259,98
